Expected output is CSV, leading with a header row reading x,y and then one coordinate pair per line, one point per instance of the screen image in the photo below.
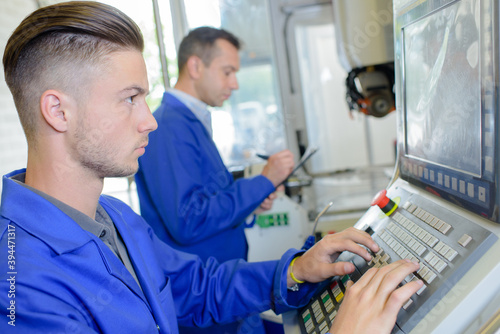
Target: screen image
x,y
443,105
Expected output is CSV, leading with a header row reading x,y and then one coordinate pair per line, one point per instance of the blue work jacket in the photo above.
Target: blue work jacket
x,y
58,278
187,194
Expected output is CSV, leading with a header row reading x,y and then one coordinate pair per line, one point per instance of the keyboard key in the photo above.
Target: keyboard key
x,y
310,327
421,249
439,246
410,278
451,254
438,225
440,265
385,258
412,208
333,315
422,289
432,241
445,228
430,276
434,261
429,219
433,222
407,304
423,271
464,240
429,257
323,327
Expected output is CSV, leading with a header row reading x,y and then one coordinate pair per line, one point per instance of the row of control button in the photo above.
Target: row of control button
x,y
318,312
322,310
446,251
424,272
337,292
411,278
308,323
463,186
439,246
416,230
435,262
407,239
380,259
396,246
428,218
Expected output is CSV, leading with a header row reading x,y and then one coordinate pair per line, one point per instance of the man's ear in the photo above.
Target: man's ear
x,y
194,66
54,110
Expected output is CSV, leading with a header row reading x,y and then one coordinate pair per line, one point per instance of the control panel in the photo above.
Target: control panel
x,y
406,226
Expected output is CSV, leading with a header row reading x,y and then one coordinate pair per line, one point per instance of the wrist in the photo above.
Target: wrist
x,y
292,279
271,180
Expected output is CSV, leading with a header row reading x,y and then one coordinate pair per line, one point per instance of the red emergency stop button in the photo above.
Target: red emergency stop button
x,y
387,205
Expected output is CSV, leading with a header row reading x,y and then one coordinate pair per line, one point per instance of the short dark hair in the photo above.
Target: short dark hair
x,y
54,47
201,43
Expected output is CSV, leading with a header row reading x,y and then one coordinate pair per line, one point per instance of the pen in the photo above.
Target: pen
x,y
262,156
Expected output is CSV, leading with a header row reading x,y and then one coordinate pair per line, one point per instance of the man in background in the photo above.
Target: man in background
x,y
185,191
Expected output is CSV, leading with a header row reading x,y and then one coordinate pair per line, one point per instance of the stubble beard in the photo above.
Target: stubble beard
x,y
97,157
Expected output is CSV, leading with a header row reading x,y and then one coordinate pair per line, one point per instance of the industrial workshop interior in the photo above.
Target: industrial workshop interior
x,y
391,111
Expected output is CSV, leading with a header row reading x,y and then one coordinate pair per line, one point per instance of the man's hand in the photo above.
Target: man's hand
x,y
267,204
316,264
278,167
372,304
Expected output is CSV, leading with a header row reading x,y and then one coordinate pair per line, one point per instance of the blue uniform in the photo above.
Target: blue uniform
x,y
187,194
61,278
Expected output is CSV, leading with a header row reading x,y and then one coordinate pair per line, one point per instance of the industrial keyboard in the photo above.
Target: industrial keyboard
x,y
445,244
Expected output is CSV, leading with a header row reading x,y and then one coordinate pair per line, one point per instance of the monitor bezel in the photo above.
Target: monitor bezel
x,y
476,193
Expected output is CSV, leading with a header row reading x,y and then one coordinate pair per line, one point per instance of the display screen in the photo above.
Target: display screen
x,y
442,87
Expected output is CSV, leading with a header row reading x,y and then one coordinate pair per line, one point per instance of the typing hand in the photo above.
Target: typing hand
x,y
316,264
372,304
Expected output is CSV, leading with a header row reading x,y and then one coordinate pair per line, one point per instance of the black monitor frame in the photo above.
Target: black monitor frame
x,y
476,192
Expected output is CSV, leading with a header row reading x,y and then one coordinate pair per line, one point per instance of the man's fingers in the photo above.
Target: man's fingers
x,y
340,268
366,278
382,281
401,295
395,274
350,240
353,247
372,303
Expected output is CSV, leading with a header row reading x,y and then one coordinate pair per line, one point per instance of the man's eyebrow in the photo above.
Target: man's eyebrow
x,y
136,89
231,67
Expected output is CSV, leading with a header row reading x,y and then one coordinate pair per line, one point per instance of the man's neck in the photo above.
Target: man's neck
x,y
65,182
187,87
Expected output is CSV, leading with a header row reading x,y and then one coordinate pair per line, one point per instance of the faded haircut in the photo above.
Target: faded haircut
x,y
60,47
201,43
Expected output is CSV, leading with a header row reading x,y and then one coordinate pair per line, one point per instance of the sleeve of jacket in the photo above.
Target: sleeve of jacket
x,y
193,200
210,293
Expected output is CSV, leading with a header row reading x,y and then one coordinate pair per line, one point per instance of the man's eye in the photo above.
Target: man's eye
x,y
130,99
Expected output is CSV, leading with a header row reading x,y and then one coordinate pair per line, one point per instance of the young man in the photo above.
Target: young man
x,y
75,261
